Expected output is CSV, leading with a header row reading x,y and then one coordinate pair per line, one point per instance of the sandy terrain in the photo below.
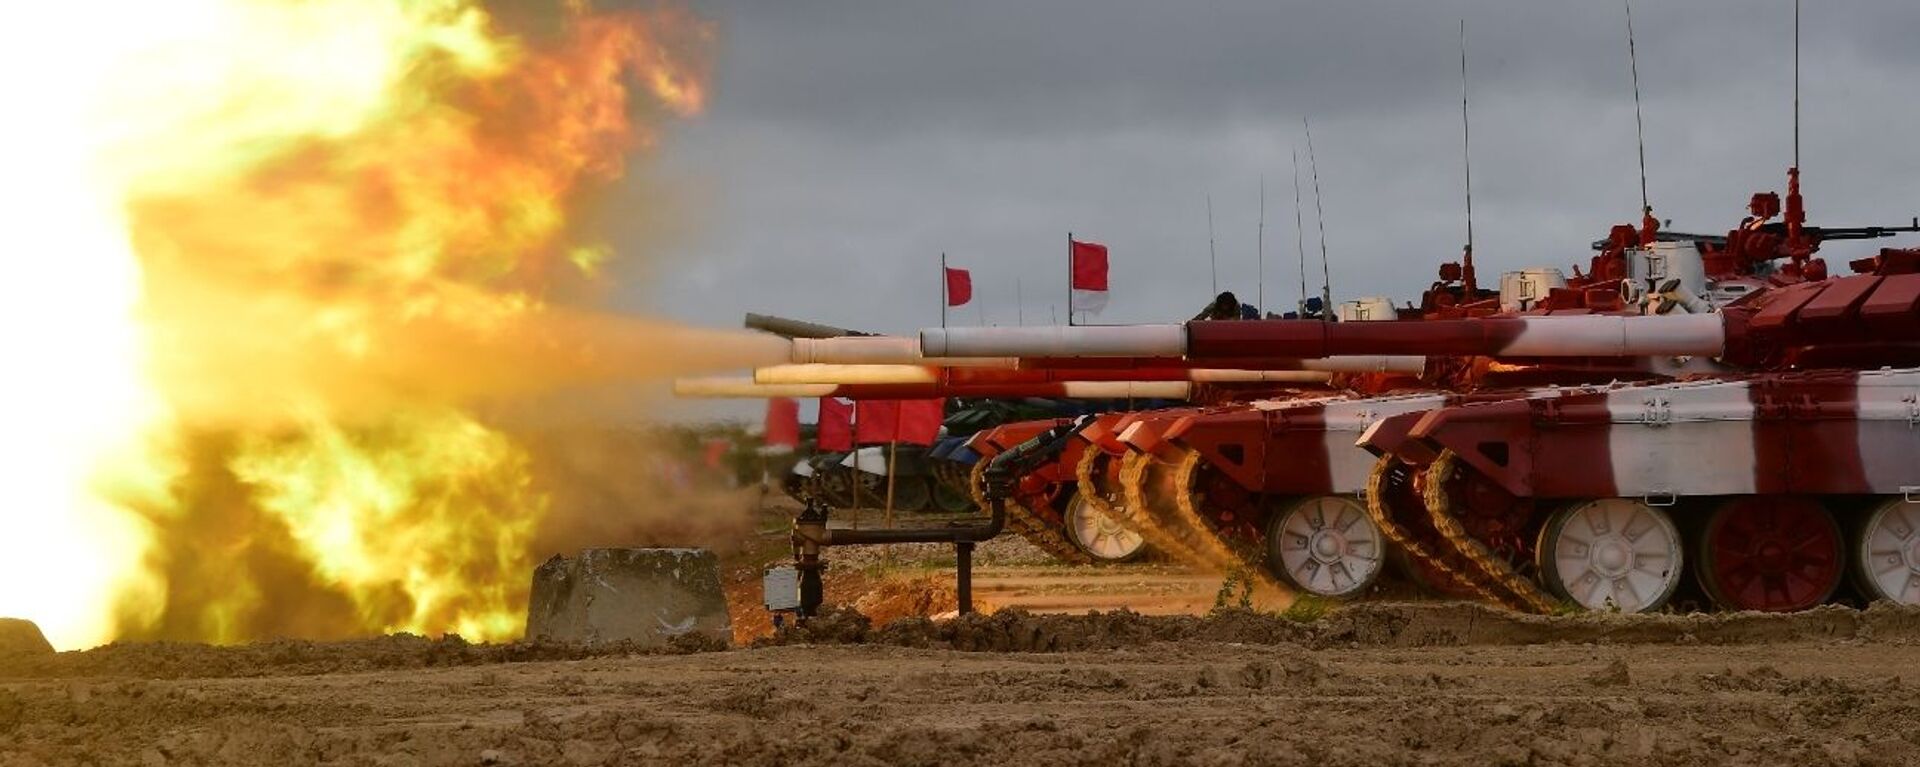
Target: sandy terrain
x,y
1374,685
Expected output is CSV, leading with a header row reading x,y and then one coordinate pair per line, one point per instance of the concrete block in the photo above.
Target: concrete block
x,y
21,637
643,596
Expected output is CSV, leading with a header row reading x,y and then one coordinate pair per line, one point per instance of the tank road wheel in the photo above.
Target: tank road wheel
x,y
1886,555
909,493
1326,546
1101,535
949,498
1611,554
836,486
1771,553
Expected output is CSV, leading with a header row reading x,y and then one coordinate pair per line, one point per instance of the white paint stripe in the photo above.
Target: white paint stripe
x,y
1889,430
1057,341
1590,335
1681,439
1349,464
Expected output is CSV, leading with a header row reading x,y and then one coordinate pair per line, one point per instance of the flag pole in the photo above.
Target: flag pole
x,y
944,298
893,448
1019,303
1069,278
854,478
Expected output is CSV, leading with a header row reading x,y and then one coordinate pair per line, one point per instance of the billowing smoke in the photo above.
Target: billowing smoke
x,y
297,251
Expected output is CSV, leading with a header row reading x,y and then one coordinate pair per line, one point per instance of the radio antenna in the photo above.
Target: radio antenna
x,y
1319,209
1799,247
1639,128
1213,261
1299,231
1260,251
1466,155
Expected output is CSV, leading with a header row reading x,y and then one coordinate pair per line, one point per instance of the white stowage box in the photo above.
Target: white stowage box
x,y
1369,309
1648,268
1520,290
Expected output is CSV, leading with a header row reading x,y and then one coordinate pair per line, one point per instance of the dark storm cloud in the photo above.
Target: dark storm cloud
x,y
849,144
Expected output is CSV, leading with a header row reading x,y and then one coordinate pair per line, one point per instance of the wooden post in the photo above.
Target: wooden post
x,y
853,476
893,450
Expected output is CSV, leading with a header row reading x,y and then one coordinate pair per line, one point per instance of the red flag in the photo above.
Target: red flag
x,y
876,421
1089,276
920,420
836,425
913,421
783,423
959,286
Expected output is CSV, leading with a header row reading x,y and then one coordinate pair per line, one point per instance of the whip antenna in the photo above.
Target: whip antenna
x,y
1299,231
1639,127
1796,83
1466,155
1213,261
1320,211
1260,251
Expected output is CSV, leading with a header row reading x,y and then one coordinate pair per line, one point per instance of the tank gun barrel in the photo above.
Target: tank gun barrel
x,y
792,328
894,350
922,374
746,388
1586,335
879,350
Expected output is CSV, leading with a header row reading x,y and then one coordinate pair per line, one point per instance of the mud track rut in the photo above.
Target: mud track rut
x,y
1374,685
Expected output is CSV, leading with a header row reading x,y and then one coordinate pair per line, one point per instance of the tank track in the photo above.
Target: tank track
x,y
1186,500
1138,513
1089,488
1023,521
1180,531
1412,546
1461,558
1530,597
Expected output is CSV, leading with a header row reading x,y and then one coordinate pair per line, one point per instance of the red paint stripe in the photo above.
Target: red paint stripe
x,y
1571,446
1813,444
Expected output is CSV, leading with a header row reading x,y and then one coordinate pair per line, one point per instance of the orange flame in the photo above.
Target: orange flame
x,y
347,219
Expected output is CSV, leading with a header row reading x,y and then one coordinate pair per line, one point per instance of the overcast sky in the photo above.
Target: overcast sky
x,y
847,145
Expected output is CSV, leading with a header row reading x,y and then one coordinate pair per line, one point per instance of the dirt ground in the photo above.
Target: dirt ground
x,y
1058,674
1370,685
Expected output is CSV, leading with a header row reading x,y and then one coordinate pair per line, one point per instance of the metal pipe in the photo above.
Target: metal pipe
x,y
818,534
963,577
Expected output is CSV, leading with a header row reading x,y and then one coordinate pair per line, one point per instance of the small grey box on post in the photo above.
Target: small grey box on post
x,y
643,596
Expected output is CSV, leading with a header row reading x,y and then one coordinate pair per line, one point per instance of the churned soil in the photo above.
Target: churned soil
x,y
1369,685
